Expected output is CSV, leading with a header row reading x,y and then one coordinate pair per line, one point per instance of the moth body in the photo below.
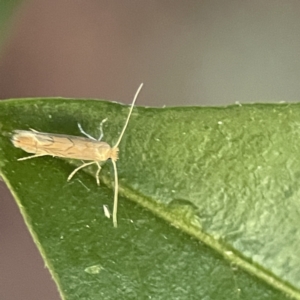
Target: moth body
x,y
61,145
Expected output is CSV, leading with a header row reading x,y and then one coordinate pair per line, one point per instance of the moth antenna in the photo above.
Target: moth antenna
x,y
130,111
115,209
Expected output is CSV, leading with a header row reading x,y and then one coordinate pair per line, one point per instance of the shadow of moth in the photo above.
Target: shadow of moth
x,y
68,146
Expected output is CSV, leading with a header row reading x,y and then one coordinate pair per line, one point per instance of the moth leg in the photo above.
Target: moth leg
x,y
32,156
101,129
86,134
80,167
97,173
115,209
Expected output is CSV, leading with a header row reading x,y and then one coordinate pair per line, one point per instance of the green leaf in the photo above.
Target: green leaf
x,y
209,201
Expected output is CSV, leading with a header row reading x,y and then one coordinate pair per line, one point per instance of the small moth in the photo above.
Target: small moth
x,y
68,146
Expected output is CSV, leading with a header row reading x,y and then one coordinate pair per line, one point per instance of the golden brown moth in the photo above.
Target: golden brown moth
x,y
68,146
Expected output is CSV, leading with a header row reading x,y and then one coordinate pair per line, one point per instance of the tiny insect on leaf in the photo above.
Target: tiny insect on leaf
x,y
86,148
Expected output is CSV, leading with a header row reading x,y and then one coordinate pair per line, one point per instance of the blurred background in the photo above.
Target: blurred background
x,y
186,52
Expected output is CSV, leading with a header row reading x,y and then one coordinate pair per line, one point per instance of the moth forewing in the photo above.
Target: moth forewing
x,y
61,145
68,146
30,142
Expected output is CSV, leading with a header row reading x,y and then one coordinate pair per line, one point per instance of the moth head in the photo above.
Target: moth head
x,y
114,153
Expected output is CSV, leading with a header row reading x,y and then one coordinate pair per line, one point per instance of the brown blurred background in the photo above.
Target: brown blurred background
x,y
186,52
